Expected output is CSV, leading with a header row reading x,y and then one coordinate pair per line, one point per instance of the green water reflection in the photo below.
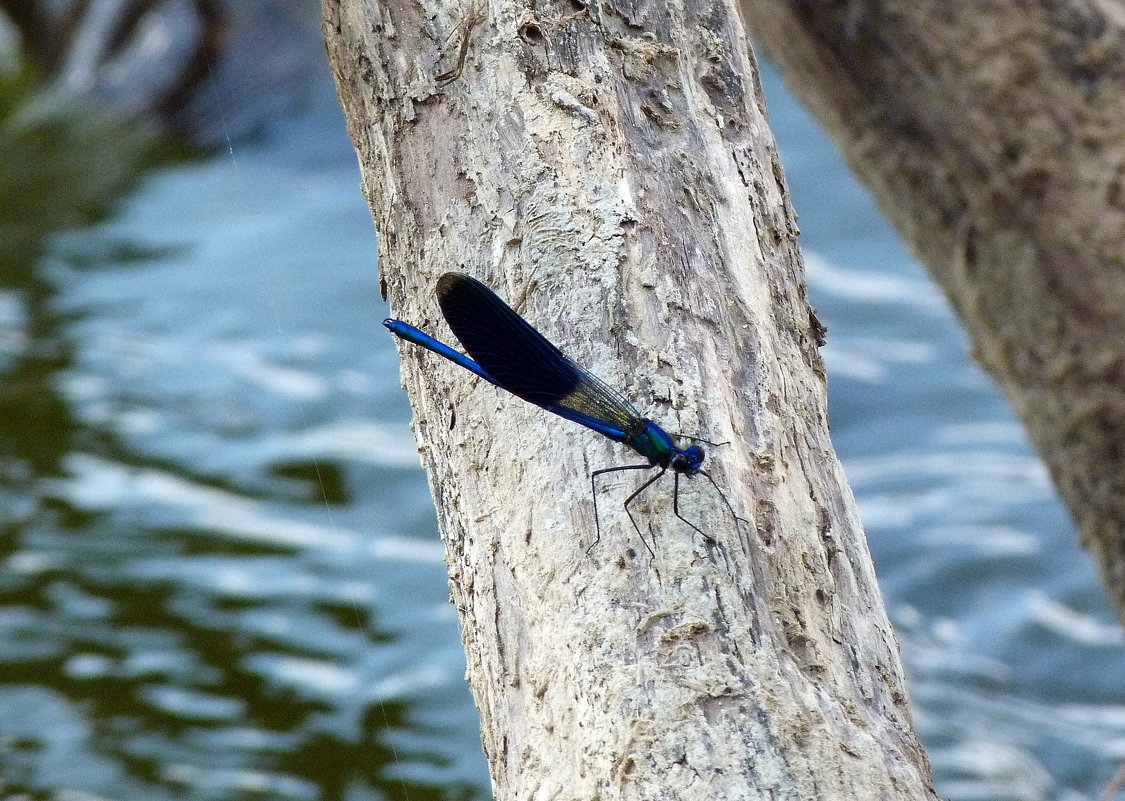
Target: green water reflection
x,y
143,655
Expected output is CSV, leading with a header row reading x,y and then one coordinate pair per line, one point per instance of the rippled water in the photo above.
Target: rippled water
x,y
220,576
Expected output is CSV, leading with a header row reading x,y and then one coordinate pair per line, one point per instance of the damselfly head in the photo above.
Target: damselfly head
x,y
688,461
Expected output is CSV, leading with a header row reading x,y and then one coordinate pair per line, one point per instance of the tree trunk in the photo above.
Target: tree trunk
x,y
993,136
607,168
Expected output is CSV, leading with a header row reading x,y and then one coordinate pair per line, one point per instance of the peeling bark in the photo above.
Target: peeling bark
x,y
993,136
607,168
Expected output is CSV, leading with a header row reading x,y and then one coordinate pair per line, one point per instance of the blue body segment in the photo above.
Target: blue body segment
x,y
411,334
505,350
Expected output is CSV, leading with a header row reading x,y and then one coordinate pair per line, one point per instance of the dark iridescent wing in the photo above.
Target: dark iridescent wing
x,y
522,361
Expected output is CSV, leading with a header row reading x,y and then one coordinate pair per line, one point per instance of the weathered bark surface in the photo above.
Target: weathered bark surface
x,y
993,136
607,168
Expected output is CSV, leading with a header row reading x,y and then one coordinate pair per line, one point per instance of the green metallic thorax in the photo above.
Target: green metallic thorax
x,y
651,442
